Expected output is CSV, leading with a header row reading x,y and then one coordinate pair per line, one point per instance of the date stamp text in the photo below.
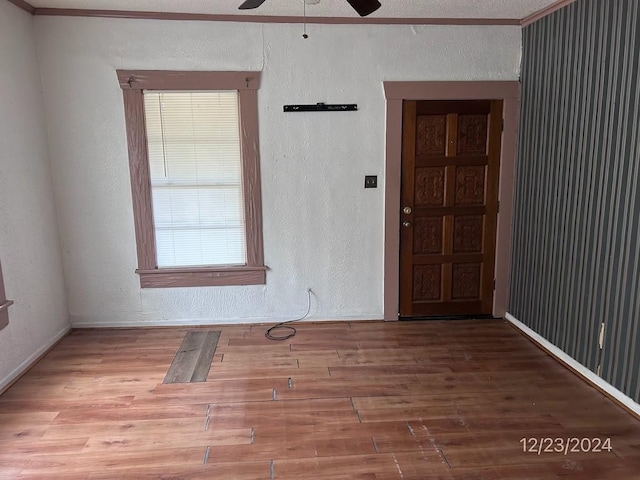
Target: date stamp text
x,y
565,445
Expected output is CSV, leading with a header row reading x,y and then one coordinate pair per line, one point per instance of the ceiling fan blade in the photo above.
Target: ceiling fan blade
x,y
364,7
250,4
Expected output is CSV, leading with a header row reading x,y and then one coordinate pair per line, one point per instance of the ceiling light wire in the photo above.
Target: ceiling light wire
x,y
304,20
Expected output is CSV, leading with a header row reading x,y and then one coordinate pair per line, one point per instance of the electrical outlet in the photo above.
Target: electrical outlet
x,y
601,336
370,181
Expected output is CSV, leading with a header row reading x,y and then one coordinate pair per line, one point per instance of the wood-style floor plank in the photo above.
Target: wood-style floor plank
x,y
340,400
194,357
209,471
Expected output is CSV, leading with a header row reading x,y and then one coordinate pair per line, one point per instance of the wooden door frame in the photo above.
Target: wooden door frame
x,y
395,93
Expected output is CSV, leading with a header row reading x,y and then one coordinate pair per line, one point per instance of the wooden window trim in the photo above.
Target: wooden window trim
x,y
4,304
133,82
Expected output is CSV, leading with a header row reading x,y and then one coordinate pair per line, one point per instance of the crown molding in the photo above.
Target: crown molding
x,y
26,6
534,17
131,14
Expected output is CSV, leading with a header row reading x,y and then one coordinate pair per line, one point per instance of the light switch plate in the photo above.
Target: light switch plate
x,y
370,181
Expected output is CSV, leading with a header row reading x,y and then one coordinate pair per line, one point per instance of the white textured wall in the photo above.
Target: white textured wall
x,y
29,244
321,228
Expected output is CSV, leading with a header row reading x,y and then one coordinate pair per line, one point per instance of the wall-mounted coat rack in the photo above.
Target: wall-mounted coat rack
x,y
322,107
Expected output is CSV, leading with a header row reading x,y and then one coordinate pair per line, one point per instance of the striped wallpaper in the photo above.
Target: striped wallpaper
x,y
576,246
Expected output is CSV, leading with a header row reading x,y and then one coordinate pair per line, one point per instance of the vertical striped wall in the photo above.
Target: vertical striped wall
x,y
576,250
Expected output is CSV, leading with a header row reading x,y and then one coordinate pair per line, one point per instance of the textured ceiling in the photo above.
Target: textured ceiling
x,y
500,9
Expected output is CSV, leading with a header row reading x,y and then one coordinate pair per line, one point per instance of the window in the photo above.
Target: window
x,y
4,304
194,164
193,145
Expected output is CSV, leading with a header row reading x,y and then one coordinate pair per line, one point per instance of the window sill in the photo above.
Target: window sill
x,y
201,277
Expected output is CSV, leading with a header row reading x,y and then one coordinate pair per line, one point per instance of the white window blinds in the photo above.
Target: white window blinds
x,y
196,177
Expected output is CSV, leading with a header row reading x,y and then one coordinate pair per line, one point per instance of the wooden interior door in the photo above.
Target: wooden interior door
x,y
449,206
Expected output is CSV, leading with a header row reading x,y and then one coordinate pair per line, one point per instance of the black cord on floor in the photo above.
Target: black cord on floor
x,y
283,325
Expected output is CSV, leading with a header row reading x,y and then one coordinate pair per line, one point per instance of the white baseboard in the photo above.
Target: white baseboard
x,y
29,362
577,367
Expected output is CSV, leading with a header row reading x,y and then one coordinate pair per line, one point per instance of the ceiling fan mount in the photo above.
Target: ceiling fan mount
x,y
363,7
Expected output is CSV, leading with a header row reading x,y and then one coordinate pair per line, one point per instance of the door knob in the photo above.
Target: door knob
x,y
406,224
407,210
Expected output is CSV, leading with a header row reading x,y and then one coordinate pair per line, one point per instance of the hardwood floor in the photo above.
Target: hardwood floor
x,y
349,400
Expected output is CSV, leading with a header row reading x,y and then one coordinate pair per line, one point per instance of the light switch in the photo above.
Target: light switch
x,y
370,181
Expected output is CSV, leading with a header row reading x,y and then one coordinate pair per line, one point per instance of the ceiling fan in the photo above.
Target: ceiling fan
x,y
363,7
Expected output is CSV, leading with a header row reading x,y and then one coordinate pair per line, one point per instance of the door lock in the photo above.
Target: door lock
x,y
407,210
406,224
